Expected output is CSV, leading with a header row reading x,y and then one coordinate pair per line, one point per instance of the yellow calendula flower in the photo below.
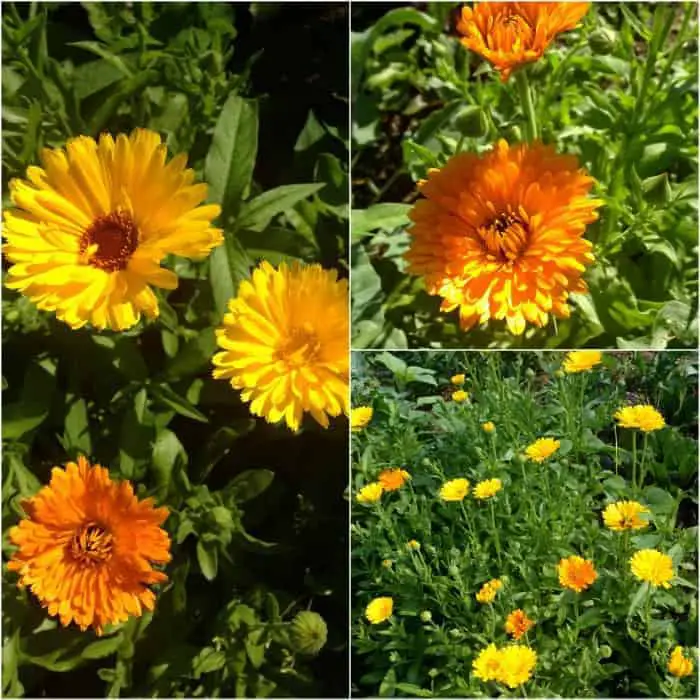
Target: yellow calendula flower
x,y
457,379
678,664
285,343
370,493
581,361
487,665
487,489
518,624
454,490
625,515
360,417
393,479
92,225
517,664
413,545
542,449
487,593
644,417
488,426
379,610
653,567
576,573
387,563
460,396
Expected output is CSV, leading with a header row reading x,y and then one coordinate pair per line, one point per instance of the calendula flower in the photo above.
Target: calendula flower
x,y
370,493
500,235
457,379
488,426
487,665
285,343
542,449
518,623
413,545
624,515
387,563
487,593
644,417
487,489
510,34
454,490
379,610
517,663
87,547
679,665
460,396
93,224
576,573
581,361
393,479
653,567
360,417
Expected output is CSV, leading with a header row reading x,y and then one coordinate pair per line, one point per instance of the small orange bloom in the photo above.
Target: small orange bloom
x,y
87,547
576,573
518,623
392,479
510,34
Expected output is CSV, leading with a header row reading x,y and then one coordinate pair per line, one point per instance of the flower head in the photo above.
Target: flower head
x,y
360,417
370,493
643,417
454,490
487,489
457,379
285,343
387,563
678,664
93,224
487,665
581,360
510,34
517,663
653,567
393,479
87,547
542,449
487,593
624,515
488,426
576,573
518,623
500,235
460,396
379,610
308,632
413,545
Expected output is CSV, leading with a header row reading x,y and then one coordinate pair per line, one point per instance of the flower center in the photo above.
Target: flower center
x,y
511,31
505,237
300,347
91,544
109,242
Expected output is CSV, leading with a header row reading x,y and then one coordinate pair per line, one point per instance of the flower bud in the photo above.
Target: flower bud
x,y
308,633
602,41
470,121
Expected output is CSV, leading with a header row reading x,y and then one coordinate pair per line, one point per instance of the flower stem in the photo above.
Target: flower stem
x,y
495,534
642,467
634,462
525,94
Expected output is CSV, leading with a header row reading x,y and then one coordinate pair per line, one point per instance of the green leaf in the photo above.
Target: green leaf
x,y
99,50
250,483
207,661
229,265
77,427
167,452
413,690
103,647
170,398
32,409
257,213
638,599
379,217
208,558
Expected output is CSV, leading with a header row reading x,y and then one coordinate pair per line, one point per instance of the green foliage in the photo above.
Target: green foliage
x,y
612,640
619,92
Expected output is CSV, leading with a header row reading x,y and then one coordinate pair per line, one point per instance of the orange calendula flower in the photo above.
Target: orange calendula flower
x,y
518,623
576,573
393,479
87,547
500,235
93,224
510,34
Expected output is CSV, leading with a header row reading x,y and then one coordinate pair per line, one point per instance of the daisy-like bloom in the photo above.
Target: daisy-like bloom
x,y
488,426
92,225
653,567
581,361
487,489
393,479
285,343
542,449
679,665
624,515
500,235
87,547
510,34
454,490
517,663
518,623
379,610
487,665
370,493
643,417
576,573
413,545
487,593
460,396
360,417
457,379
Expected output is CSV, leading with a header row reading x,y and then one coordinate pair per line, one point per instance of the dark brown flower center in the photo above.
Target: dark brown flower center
x,y
300,347
505,237
91,544
110,241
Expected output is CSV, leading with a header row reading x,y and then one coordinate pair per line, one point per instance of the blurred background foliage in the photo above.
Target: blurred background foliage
x,y
258,517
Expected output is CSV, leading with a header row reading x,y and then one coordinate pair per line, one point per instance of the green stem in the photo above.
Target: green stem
x,y
470,529
528,107
634,462
642,467
495,534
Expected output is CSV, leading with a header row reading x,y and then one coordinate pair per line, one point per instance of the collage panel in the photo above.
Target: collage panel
x,y
175,349
524,524
524,175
